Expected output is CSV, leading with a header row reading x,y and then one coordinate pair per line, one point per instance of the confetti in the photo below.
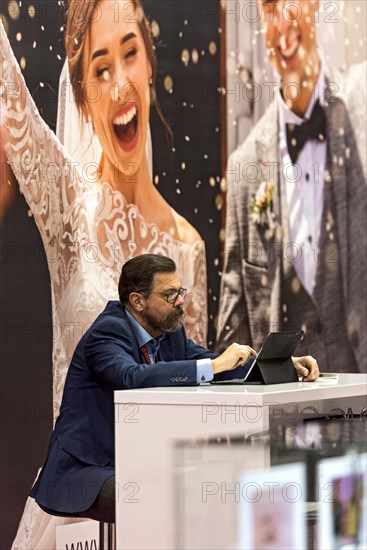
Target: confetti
x,y
212,48
155,29
185,57
168,84
31,11
13,10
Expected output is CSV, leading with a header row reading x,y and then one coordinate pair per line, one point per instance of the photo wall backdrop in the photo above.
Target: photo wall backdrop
x,y
186,172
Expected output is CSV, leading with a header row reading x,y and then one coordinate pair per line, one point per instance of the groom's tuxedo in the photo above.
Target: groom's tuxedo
x,y
260,289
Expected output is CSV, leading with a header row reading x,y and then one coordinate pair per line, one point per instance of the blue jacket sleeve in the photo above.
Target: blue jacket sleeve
x,y
114,360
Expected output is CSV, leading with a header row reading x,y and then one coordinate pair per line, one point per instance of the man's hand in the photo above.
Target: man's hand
x,y
306,366
234,356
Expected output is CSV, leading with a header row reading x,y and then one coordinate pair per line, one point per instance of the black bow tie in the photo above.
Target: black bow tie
x,y
298,135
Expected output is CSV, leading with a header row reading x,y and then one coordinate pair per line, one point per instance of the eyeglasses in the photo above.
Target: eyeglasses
x,y
170,295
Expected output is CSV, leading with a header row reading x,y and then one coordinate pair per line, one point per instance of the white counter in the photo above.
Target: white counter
x,y
148,422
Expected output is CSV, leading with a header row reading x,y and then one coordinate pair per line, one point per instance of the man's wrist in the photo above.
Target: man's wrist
x,y
204,370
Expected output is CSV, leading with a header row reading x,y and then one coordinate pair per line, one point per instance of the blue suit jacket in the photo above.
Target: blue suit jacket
x,y
81,453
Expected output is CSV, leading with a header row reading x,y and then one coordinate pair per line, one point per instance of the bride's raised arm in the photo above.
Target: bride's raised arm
x,y
47,176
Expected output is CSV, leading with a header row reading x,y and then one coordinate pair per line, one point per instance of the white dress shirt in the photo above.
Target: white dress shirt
x,y
304,186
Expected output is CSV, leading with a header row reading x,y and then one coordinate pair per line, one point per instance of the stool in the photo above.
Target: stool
x,y
106,531
107,536
86,534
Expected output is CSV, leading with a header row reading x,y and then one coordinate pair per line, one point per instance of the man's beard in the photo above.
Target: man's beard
x,y
171,323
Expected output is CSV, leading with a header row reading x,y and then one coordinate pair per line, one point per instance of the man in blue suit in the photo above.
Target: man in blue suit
x,y
137,342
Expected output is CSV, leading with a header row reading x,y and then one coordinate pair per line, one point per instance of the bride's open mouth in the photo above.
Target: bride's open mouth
x,y
125,127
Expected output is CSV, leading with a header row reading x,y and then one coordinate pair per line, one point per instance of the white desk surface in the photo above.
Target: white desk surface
x,y
348,385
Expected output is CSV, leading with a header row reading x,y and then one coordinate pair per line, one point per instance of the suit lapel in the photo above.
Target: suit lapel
x,y
268,152
138,356
267,146
166,350
336,175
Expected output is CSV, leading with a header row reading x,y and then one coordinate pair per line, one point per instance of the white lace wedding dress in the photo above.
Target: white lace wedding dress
x,y
88,231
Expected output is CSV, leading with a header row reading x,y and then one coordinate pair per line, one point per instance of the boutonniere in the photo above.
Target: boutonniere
x,y
262,204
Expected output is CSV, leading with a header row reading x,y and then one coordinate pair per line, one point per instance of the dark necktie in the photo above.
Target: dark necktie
x,y
298,135
145,353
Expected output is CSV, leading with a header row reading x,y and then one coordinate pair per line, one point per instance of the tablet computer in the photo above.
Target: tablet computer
x,y
274,364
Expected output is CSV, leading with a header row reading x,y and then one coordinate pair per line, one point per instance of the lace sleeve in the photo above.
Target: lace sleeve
x,y
47,176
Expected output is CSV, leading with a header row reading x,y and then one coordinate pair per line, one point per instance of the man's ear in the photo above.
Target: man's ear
x,y
136,301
